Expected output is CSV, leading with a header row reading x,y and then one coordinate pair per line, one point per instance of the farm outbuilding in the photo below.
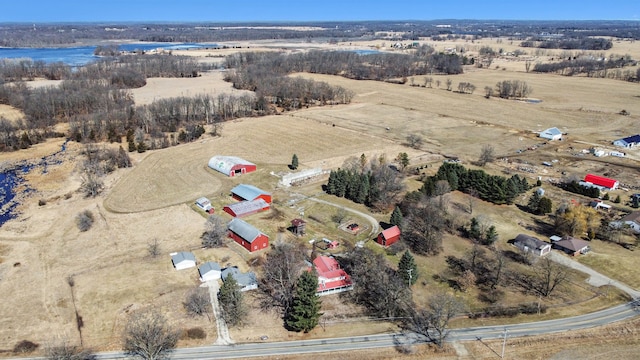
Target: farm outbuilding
x,y
628,142
389,236
245,208
244,192
231,165
247,236
209,271
183,260
204,204
600,182
298,226
551,134
532,244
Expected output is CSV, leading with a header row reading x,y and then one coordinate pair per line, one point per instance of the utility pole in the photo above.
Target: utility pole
x,y
504,342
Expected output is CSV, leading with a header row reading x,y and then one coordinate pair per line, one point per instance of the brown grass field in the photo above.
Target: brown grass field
x,y
113,274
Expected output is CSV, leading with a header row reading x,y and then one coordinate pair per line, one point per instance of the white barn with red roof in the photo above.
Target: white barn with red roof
x,y
231,165
331,278
600,182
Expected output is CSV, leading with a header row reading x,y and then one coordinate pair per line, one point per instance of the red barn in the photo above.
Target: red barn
x,y
244,192
389,236
247,236
231,165
601,181
245,208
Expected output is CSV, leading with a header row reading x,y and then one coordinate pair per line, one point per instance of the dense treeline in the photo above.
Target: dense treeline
x,y
128,71
493,188
508,89
373,183
29,35
587,43
379,66
576,188
591,67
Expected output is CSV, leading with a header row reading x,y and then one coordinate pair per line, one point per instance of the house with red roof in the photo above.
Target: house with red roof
x,y
331,278
600,182
389,236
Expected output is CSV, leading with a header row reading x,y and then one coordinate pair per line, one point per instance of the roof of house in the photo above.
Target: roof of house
x,y
600,180
297,222
243,229
183,256
631,139
571,243
247,207
224,164
552,131
243,279
208,266
248,192
530,242
391,232
328,268
632,217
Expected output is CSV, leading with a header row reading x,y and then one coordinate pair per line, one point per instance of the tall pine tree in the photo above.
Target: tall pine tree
x,y
294,162
231,301
408,269
396,217
305,310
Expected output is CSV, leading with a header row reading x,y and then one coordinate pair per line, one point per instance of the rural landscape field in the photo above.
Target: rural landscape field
x,y
79,286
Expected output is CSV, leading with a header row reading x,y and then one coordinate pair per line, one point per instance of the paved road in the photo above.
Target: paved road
x,y
607,316
595,278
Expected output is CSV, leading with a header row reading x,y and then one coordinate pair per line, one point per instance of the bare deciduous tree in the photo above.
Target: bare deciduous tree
x,y
198,302
215,232
433,322
64,350
549,276
84,220
153,247
280,272
148,336
487,155
415,141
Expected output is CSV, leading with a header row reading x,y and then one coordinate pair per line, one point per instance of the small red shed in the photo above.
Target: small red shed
x,y
247,236
389,236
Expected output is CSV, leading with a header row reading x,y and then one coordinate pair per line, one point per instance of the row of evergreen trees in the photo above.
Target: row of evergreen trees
x,y
492,188
351,185
576,188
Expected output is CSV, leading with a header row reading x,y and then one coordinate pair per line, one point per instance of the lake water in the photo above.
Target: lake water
x,y
82,55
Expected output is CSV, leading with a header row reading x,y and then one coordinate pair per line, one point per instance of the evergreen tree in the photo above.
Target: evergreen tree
x,y
305,310
396,217
491,235
534,202
231,301
617,199
363,189
474,230
545,206
408,269
294,162
606,196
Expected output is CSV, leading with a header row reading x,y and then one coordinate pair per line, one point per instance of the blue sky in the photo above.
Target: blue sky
x,y
318,10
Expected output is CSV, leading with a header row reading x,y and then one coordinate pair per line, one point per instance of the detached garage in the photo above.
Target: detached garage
x,y
231,165
247,236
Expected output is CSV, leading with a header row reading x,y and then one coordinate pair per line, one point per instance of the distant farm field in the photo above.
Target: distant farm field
x,y
114,274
